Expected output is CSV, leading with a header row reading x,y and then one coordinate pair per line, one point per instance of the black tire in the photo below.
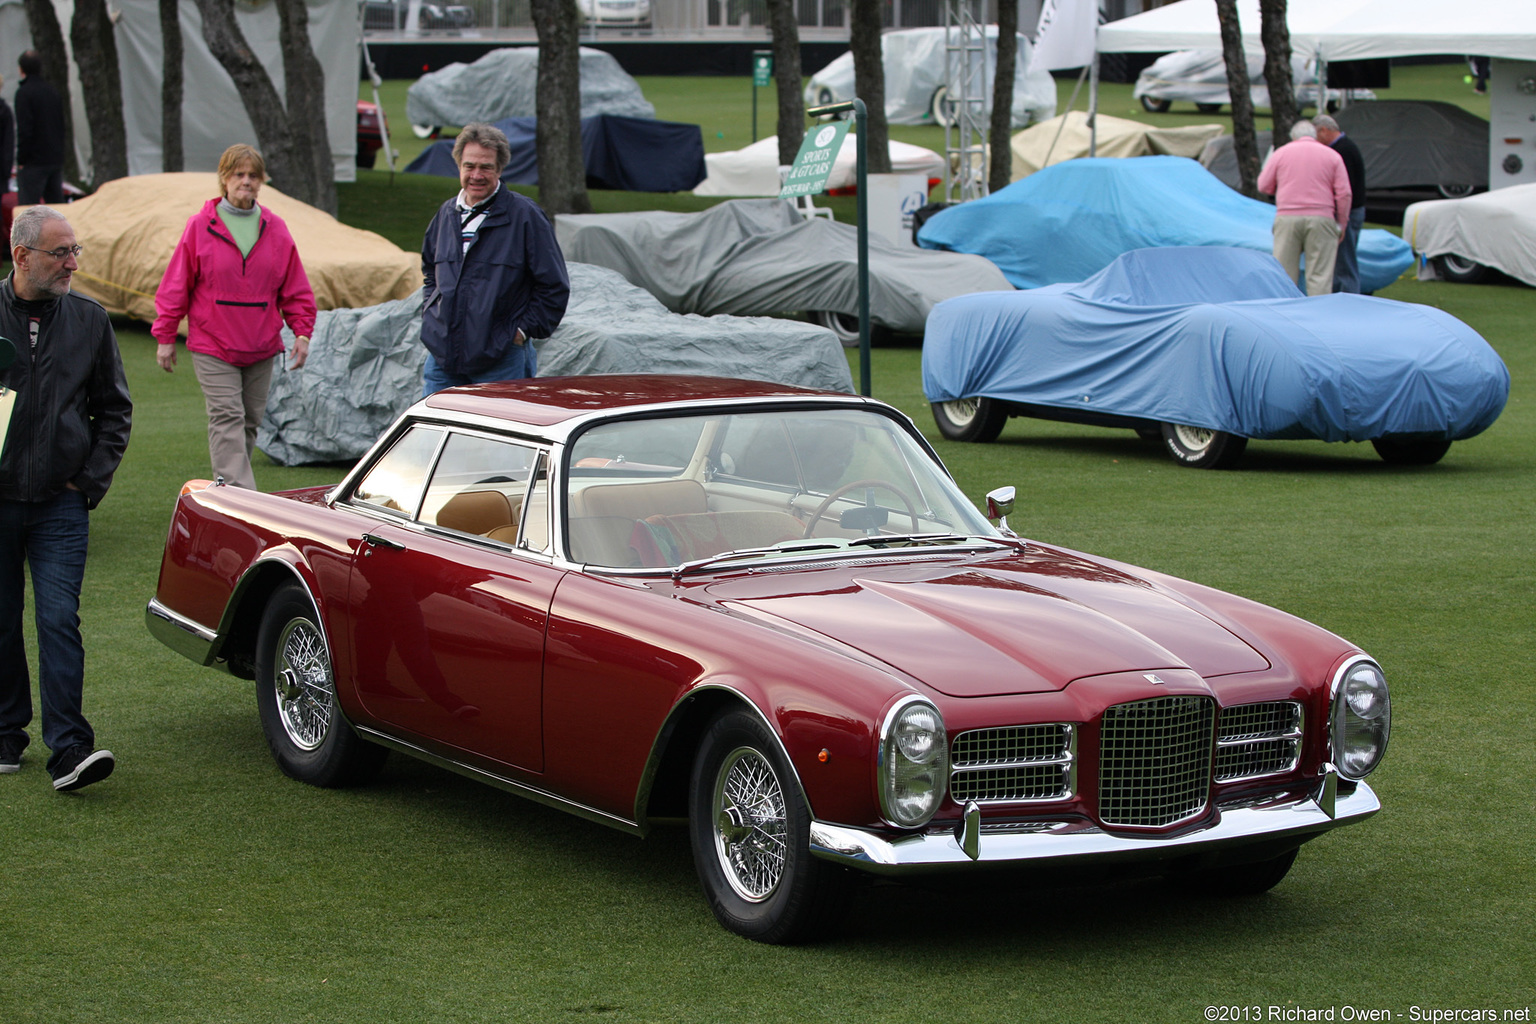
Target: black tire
x,y
1208,108
1460,269
750,831
296,697
1402,452
970,419
1155,106
1238,879
1457,190
824,97
1199,448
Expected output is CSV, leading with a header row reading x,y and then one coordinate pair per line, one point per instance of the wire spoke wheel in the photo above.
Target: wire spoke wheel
x,y
306,694
751,824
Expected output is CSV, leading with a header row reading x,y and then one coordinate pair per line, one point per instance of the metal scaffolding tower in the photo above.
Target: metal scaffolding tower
x,y
964,106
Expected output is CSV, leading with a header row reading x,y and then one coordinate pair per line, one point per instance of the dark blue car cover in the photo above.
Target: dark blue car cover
x,y
1216,337
631,154
1069,220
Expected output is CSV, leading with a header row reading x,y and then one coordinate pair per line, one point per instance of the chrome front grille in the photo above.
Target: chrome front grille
x,y
1013,764
1155,760
1258,739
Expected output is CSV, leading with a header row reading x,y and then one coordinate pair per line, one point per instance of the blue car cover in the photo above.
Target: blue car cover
x,y
1216,337
1066,222
631,154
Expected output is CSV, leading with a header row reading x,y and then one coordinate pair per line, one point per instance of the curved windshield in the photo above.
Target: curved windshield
x,y
666,492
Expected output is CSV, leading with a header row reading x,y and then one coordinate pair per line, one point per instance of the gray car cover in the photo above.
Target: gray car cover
x,y
502,84
365,365
757,256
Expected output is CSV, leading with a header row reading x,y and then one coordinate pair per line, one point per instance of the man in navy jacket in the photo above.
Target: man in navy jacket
x,y
495,276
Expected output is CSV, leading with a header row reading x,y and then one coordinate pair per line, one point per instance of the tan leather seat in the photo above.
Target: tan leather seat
x,y
639,500
479,512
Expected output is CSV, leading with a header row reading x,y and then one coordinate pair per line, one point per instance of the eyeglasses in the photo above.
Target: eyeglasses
x,y
62,253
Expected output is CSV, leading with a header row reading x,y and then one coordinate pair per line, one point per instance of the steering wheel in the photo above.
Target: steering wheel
x,y
821,509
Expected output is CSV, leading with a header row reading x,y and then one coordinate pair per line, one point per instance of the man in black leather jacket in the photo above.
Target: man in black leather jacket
x,y
65,438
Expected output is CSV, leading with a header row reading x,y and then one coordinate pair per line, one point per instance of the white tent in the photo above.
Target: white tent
x,y
213,117
1335,30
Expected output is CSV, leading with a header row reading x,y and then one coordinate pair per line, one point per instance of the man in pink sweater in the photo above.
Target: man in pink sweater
x,y
1311,190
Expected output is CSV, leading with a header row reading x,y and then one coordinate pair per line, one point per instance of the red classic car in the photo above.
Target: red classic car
x,y
770,611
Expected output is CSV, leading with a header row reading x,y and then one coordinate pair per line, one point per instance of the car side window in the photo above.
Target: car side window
x,y
396,480
479,486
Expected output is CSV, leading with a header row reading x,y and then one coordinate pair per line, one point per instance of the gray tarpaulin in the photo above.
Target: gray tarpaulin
x,y
502,84
757,256
364,365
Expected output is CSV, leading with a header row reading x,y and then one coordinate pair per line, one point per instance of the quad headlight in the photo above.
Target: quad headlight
x,y
914,762
1362,718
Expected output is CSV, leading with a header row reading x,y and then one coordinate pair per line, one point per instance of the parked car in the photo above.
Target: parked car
x,y
1200,77
623,13
1206,347
391,15
916,89
771,612
1413,150
370,133
1068,221
1466,240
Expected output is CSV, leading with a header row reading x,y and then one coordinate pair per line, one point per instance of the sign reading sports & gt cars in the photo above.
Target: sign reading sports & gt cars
x,y
813,164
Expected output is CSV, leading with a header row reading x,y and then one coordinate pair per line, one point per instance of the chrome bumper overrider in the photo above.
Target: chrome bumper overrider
x,y
1044,843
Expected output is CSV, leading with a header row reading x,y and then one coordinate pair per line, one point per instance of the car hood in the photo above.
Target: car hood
x,y
1025,624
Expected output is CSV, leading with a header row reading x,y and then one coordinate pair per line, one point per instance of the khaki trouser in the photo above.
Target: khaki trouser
x,y
236,399
1318,237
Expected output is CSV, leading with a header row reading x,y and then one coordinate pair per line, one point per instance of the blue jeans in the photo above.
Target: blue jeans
x,y
51,538
1346,269
520,362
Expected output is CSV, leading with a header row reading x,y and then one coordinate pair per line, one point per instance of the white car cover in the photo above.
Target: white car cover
x,y
914,72
503,83
1496,229
754,171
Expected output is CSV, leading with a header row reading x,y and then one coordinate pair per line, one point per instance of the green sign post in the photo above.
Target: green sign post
x,y
808,175
762,74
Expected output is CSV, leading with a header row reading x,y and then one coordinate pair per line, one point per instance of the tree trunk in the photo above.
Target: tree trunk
x,y
48,41
1277,68
288,153
557,102
1000,169
869,81
172,153
102,89
1244,142
786,77
304,83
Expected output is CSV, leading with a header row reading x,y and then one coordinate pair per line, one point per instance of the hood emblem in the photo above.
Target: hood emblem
x,y
1152,678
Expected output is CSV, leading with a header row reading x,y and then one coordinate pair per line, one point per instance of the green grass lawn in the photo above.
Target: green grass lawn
x,y
198,884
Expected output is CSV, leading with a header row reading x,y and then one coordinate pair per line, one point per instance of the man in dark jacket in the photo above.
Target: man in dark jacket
x,y
39,136
65,438
1346,269
495,276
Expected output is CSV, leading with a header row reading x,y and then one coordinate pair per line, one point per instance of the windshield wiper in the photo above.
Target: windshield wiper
x,y
909,538
788,547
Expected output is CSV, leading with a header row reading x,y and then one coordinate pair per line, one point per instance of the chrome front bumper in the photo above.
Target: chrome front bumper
x,y
1075,842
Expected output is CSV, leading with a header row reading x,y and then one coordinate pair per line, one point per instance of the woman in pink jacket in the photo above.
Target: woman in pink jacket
x,y
236,278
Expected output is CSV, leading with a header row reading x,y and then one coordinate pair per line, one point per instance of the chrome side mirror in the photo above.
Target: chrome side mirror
x,y
1000,507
